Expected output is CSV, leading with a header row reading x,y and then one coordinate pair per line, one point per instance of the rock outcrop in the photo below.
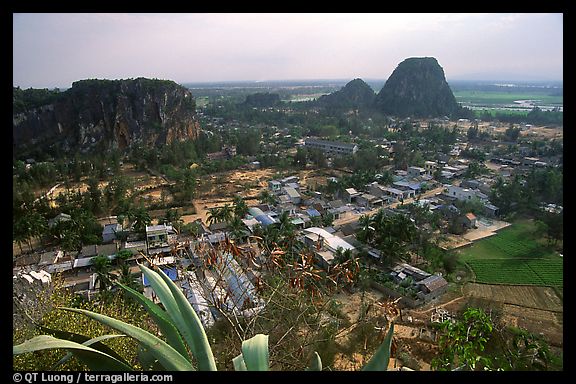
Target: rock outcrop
x,y
109,114
417,88
356,94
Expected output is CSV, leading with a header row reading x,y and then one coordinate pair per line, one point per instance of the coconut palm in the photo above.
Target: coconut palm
x,y
240,207
140,218
237,228
102,268
265,197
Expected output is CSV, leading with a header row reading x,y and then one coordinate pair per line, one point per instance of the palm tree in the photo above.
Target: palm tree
x,y
265,197
212,215
172,216
237,228
102,267
126,278
366,232
219,214
240,207
225,213
140,218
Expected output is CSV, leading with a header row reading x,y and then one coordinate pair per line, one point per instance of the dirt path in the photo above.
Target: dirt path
x,y
421,312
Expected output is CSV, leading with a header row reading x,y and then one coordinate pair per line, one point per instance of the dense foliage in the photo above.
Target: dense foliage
x,y
353,96
26,99
417,88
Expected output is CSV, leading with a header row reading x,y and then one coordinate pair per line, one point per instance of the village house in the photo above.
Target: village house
x,y
325,244
350,195
110,232
430,167
415,172
56,261
464,194
275,186
293,195
369,201
398,194
429,286
264,219
158,238
469,220
411,188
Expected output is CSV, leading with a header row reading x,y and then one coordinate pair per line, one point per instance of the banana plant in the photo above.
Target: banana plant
x,y
186,347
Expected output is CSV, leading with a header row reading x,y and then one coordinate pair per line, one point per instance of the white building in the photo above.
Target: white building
x,y
332,147
464,194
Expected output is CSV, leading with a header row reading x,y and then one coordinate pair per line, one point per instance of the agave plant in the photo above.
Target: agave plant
x,y
186,347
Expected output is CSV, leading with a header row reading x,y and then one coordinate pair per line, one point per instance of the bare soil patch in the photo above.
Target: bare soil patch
x,y
526,296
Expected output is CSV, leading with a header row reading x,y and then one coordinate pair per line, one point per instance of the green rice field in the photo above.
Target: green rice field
x,y
516,255
498,98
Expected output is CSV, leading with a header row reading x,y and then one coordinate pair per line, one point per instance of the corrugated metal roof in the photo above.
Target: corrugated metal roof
x,y
433,282
313,212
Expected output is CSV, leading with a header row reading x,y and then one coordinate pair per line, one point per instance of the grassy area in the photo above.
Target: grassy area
x,y
498,98
516,255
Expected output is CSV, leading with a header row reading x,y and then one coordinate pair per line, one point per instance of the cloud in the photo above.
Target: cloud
x,y
57,49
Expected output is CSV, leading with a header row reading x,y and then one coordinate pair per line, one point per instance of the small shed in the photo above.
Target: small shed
x,y
469,220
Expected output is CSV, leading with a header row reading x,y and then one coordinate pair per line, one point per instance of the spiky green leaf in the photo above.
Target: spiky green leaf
x,y
81,339
184,317
379,362
161,318
94,359
90,343
255,353
166,355
239,364
316,363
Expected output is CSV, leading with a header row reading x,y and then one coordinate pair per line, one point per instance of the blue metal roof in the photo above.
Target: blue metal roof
x,y
312,212
170,272
265,220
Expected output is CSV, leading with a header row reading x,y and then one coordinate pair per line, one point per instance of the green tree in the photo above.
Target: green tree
x,y
391,235
94,196
139,219
301,157
187,184
462,343
237,228
240,207
102,268
475,169
265,197
512,133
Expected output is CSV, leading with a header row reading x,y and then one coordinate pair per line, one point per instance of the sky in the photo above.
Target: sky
x,y
54,50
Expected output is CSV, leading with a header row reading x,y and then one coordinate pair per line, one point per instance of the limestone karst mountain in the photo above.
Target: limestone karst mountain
x,y
104,114
418,88
354,95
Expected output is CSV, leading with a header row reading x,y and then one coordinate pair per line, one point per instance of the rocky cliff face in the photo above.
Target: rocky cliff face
x,y
110,114
418,88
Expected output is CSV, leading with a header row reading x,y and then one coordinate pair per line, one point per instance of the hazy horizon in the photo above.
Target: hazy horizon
x,y
54,50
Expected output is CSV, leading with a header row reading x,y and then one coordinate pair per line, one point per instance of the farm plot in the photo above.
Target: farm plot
x,y
543,298
545,272
516,255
